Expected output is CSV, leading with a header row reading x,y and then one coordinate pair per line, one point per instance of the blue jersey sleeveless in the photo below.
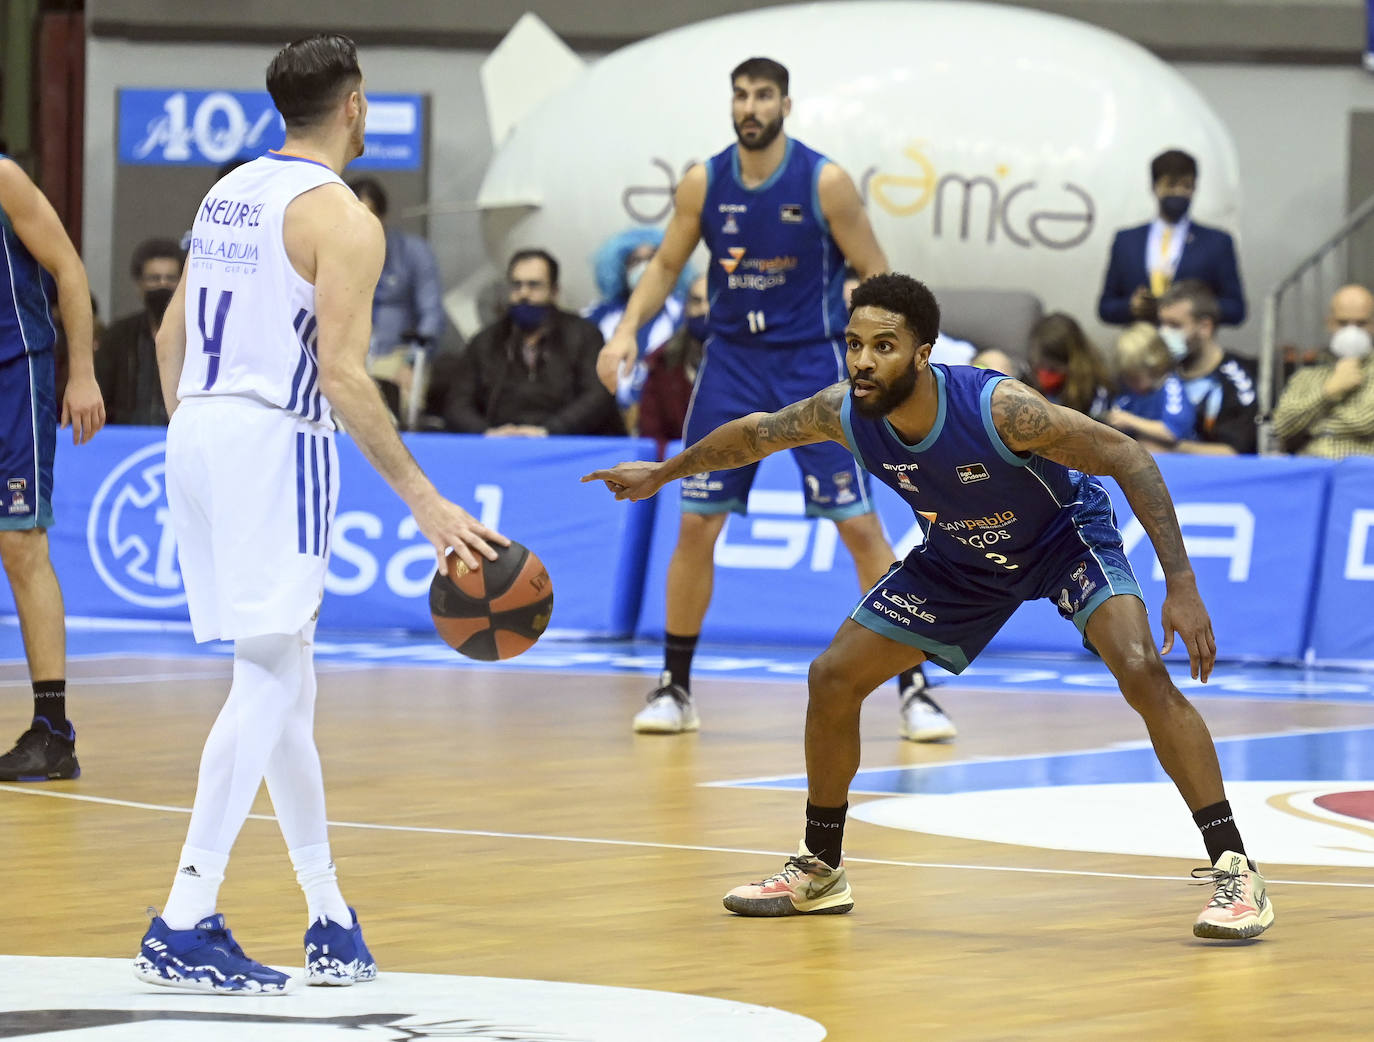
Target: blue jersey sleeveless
x,y
987,511
776,274
26,325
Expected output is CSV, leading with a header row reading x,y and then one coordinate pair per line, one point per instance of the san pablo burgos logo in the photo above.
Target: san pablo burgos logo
x,y
129,532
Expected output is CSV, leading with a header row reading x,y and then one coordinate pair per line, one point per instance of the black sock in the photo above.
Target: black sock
x,y
1219,831
825,832
677,658
50,702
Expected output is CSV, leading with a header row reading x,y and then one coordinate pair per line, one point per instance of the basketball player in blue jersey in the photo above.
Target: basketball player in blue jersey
x,y
1001,481
33,247
264,342
780,221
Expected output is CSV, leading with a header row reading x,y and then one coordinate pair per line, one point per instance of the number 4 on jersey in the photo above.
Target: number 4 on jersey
x,y
213,339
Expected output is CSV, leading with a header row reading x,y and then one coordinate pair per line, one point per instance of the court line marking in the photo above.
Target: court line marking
x,y
1111,747
645,844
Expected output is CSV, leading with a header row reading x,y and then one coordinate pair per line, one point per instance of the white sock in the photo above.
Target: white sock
x,y
315,872
195,888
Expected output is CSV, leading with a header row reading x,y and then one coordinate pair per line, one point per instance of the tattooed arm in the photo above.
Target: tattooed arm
x,y
1028,423
736,444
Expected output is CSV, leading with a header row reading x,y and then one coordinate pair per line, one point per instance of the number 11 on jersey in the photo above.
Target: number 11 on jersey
x,y
213,339
756,322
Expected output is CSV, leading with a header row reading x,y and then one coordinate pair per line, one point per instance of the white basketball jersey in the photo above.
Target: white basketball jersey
x,y
250,318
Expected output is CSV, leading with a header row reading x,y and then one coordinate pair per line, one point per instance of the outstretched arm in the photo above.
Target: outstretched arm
x,y
735,444
1028,423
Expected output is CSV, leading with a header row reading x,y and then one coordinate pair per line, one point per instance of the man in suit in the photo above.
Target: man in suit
x,y
1146,260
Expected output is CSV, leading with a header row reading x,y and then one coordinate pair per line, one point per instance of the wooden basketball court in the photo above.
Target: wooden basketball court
x,y
508,824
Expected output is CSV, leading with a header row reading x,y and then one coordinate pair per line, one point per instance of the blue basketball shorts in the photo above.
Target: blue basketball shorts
x,y
736,380
28,440
951,613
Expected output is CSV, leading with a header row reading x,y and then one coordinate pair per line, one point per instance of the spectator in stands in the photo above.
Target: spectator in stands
x,y
1220,384
1067,368
1152,407
533,372
1327,409
407,309
126,358
673,371
617,267
1147,259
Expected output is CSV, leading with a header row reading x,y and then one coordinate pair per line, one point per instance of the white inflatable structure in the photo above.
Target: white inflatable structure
x,y
995,147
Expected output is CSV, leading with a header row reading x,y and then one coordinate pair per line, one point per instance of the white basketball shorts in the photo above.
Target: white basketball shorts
x,y
252,490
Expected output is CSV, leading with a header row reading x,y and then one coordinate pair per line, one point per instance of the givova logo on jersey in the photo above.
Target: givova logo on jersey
x,y
129,532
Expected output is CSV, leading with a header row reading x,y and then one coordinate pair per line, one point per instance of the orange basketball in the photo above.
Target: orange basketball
x,y
497,611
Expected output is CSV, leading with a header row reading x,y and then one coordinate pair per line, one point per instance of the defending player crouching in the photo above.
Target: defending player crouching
x,y
1002,483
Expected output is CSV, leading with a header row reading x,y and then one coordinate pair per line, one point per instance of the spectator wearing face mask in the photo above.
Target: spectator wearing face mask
x,y
533,371
1221,385
617,266
1066,368
1147,259
126,359
1152,407
673,371
1327,409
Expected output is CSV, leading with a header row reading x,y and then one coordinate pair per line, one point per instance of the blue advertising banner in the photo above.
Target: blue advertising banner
x,y
1343,618
782,577
1254,553
209,127
114,553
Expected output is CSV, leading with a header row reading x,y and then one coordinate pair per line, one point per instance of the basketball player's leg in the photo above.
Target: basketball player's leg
x,y
691,571
335,951
724,391
914,612
47,749
813,882
834,487
1118,628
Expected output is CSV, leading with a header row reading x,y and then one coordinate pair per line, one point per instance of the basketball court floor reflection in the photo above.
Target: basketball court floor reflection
x,y
1026,881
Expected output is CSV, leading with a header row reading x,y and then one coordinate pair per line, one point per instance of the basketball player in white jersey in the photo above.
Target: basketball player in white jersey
x,y
264,342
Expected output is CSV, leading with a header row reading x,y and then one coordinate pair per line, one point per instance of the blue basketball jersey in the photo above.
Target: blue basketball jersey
x,y
26,325
776,274
991,513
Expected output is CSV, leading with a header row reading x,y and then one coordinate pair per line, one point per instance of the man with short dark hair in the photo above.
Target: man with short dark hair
x,y
126,362
1147,259
408,306
781,221
533,371
1219,383
264,342
1000,481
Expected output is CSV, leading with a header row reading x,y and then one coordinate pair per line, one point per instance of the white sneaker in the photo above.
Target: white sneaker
x,y
670,710
922,719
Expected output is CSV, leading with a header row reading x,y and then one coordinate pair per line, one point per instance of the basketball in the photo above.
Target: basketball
x,y
497,611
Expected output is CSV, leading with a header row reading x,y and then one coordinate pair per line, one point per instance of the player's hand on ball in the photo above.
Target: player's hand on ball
x,y
632,481
447,525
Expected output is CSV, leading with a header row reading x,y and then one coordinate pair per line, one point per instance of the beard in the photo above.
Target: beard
x,y
886,397
768,133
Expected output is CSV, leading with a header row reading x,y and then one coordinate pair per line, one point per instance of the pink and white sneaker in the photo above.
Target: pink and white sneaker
x,y
1239,907
805,886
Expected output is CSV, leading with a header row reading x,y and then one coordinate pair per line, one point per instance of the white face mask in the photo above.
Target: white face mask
x,y
634,273
1351,342
1175,341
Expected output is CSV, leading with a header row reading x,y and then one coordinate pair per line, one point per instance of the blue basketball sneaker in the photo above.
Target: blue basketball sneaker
x,y
205,958
337,955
